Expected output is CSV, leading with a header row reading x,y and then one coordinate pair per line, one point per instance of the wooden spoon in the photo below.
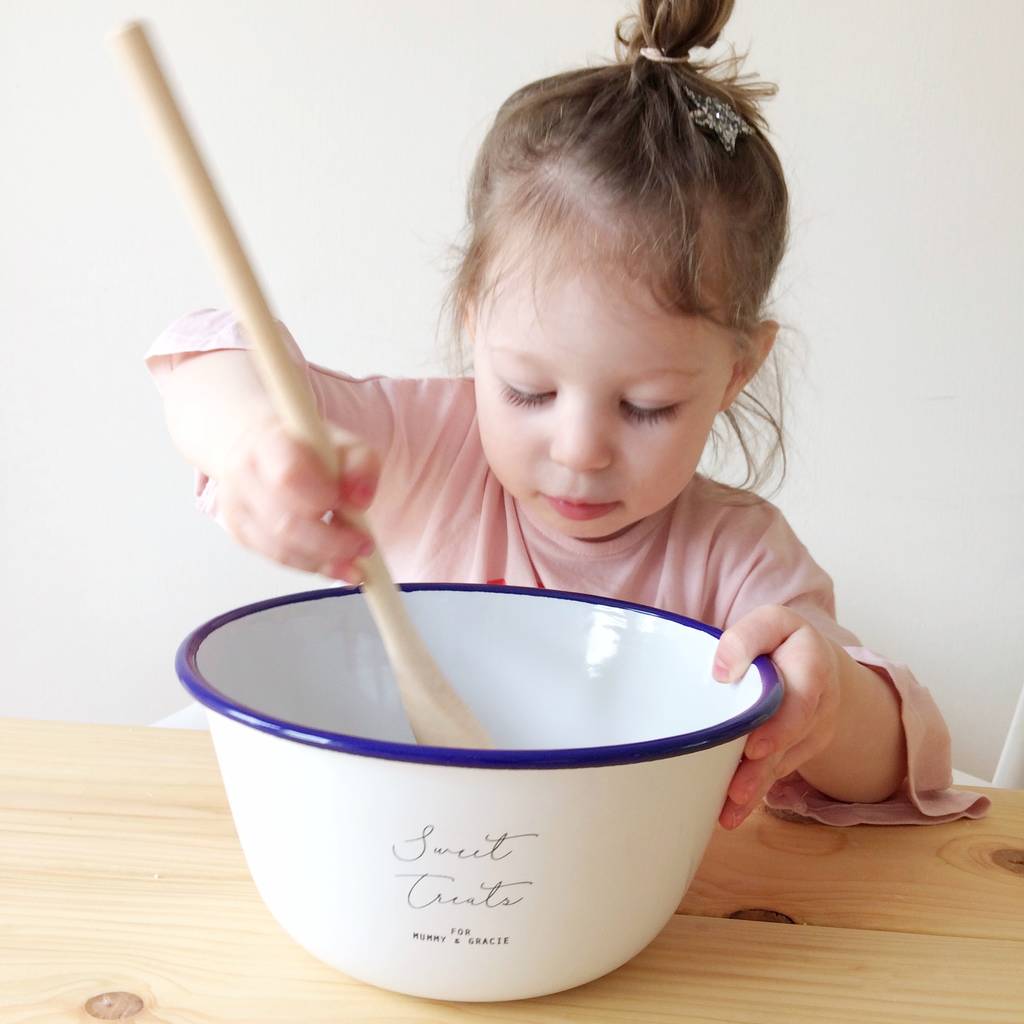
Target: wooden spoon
x,y
437,714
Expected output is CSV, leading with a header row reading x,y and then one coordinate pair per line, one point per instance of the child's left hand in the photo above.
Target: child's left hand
x,y
805,723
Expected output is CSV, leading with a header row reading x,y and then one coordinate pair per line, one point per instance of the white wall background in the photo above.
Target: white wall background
x,y
342,133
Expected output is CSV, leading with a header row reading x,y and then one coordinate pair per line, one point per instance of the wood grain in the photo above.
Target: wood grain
x,y
960,879
121,876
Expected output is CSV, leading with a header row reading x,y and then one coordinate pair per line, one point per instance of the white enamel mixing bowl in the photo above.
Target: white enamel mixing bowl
x,y
460,874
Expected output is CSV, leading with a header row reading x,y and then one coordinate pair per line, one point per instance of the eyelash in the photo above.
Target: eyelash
x,y
634,413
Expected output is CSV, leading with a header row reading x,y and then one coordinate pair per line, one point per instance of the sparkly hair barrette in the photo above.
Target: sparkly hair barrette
x,y
707,112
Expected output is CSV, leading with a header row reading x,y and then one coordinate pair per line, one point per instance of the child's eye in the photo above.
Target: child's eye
x,y
514,397
635,413
639,415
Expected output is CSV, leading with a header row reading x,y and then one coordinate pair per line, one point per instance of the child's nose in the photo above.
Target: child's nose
x,y
581,444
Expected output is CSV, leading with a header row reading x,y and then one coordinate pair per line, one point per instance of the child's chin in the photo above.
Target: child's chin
x,y
606,527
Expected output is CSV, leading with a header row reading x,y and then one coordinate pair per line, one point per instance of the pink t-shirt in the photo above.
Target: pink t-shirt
x,y
441,515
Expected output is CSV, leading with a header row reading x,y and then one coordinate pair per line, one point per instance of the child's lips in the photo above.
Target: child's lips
x,y
580,509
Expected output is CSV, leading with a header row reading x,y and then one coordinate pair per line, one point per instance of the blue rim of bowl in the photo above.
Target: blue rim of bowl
x,y
570,757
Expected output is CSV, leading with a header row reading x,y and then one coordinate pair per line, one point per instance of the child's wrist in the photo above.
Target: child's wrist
x,y
866,761
235,450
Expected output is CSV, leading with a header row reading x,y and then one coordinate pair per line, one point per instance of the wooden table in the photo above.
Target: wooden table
x,y
124,896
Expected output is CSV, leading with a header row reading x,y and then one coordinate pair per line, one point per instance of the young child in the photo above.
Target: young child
x,y
626,224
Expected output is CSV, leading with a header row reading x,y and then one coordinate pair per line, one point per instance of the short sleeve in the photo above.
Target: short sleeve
x,y
776,568
416,426
204,330
339,397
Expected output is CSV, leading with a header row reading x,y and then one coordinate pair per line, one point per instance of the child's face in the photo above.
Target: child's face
x,y
595,404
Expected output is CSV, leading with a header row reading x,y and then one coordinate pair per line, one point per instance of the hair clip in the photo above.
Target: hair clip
x,y
707,111
718,117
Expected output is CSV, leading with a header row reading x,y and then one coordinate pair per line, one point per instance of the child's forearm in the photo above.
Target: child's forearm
x,y
866,760
210,400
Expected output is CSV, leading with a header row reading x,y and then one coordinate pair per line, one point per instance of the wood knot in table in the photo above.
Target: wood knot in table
x,y
1012,860
114,1006
759,914
785,815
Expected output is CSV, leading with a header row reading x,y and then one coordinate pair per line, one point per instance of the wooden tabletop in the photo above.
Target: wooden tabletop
x,y
124,896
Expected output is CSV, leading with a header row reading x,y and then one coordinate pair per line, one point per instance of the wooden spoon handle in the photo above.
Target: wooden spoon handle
x,y
436,713
282,378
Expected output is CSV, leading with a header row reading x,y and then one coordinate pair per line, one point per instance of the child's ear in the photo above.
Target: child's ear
x,y
469,322
761,341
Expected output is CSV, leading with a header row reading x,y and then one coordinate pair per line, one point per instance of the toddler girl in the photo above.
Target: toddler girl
x,y
626,222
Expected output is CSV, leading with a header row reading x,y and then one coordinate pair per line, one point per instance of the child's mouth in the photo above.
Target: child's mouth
x,y
580,509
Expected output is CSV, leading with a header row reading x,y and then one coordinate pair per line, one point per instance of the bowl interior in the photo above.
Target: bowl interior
x,y
540,670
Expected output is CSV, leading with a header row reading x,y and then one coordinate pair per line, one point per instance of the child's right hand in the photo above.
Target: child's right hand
x,y
274,493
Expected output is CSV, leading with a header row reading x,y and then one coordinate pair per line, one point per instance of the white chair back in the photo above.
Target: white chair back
x,y
1010,769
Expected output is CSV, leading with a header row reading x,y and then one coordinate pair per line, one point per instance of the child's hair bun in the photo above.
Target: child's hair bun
x,y
675,27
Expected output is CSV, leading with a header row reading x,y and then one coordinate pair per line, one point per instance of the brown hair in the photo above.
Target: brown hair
x,y
605,164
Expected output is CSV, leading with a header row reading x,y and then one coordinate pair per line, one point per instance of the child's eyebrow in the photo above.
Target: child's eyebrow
x,y
660,371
